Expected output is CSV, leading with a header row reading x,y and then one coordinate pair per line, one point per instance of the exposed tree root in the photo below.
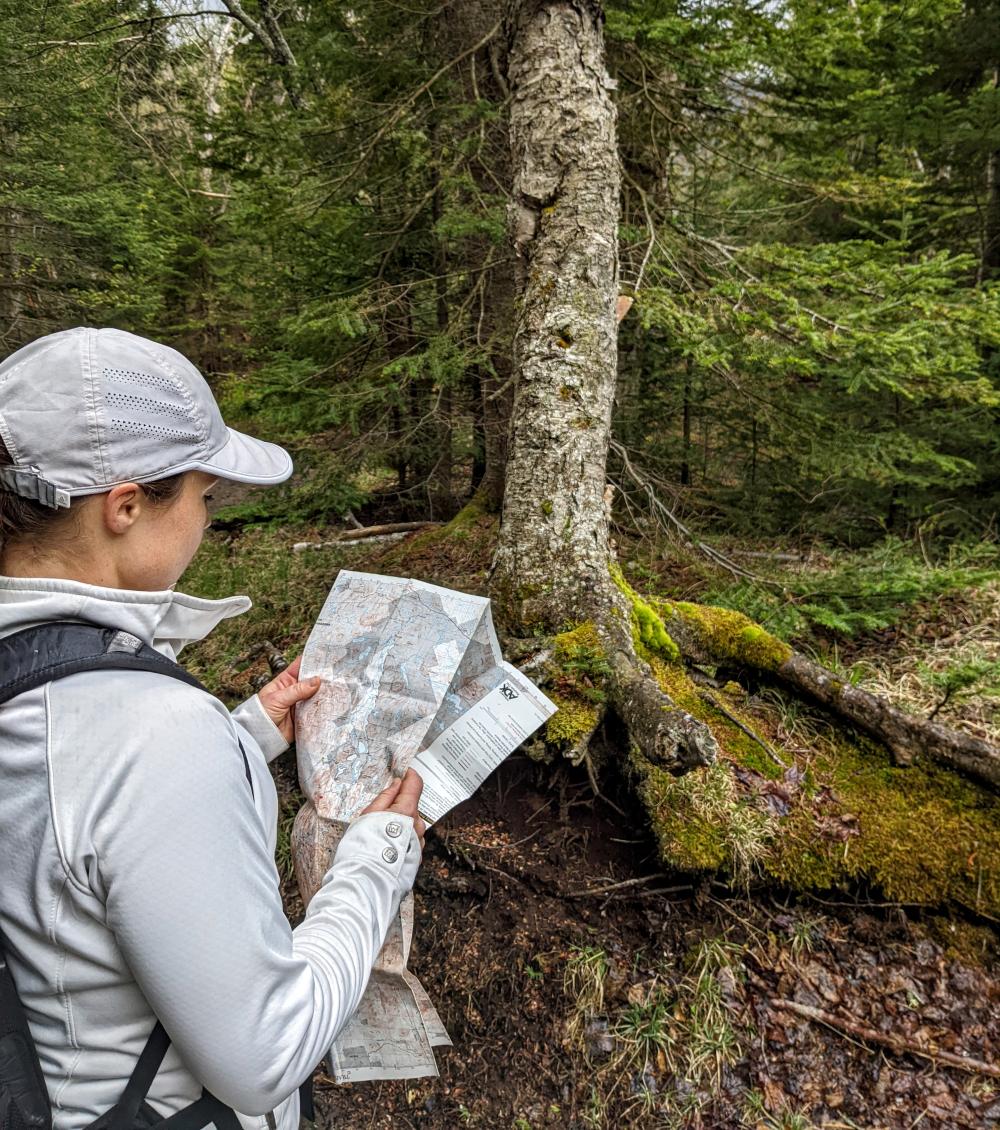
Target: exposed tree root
x,y
668,736
715,635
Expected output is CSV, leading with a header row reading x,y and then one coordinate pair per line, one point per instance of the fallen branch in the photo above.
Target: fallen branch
x,y
713,701
721,636
388,528
896,1044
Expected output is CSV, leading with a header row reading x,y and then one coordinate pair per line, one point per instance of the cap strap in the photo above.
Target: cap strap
x,y
29,484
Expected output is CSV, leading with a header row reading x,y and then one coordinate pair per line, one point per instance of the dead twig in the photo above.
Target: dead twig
x,y
901,1046
387,528
592,777
714,702
589,892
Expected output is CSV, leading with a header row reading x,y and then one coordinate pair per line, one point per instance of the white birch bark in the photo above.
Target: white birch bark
x,y
564,214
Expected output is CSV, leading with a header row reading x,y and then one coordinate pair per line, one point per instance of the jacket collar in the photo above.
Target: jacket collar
x,y
166,620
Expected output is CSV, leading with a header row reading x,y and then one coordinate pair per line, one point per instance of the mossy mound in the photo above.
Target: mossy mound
x,y
575,679
456,554
701,821
841,813
573,722
923,835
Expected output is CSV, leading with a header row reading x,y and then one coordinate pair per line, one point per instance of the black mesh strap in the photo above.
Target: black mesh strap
x,y
200,1113
307,1107
122,1115
35,656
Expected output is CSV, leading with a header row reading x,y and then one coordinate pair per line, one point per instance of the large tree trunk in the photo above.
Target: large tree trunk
x,y
553,554
553,563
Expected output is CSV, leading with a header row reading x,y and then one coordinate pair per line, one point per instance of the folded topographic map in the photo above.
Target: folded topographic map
x,y
412,676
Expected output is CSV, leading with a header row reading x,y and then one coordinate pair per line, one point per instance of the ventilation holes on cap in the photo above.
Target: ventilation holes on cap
x,y
130,377
152,429
139,403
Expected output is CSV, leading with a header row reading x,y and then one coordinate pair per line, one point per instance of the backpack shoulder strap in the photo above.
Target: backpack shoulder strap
x,y
34,656
51,651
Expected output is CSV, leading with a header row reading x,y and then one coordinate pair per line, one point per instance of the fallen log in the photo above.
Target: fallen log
x,y
387,528
721,636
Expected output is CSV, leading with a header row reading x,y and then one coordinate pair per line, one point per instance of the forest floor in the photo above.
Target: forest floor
x,y
585,987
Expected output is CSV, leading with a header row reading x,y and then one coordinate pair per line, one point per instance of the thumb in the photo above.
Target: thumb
x,y
284,698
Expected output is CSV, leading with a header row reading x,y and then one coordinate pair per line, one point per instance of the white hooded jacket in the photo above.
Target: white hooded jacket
x,y
137,878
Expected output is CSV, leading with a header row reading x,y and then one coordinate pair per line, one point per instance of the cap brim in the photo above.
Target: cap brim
x,y
247,460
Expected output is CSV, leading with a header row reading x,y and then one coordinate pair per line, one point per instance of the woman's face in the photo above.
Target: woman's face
x,y
167,537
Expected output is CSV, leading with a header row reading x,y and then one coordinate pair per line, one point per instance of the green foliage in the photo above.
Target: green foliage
x,y
978,675
814,346
814,340
857,592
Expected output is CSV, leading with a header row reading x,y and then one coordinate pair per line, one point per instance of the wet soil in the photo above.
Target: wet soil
x,y
533,876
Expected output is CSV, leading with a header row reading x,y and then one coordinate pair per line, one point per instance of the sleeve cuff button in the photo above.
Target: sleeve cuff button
x,y
390,855
393,828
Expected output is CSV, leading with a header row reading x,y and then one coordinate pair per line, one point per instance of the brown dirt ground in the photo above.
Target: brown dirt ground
x,y
497,934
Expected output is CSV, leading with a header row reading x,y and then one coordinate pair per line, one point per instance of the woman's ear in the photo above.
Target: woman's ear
x,y
121,507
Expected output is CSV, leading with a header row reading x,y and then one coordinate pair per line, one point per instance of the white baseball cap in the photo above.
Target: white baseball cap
x,y
84,410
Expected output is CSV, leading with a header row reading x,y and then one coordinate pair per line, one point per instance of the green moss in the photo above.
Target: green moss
x,y
572,723
649,633
922,835
547,507
529,590
701,822
734,744
575,682
728,635
582,649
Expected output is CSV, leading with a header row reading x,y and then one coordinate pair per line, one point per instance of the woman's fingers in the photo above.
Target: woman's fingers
x,y
385,798
408,798
284,698
402,795
421,829
410,788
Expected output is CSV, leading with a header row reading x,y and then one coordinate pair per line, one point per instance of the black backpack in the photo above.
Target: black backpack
x,y
28,659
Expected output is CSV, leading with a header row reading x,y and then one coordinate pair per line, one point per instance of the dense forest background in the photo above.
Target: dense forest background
x,y
311,200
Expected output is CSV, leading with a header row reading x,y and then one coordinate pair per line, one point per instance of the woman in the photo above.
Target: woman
x,y
138,878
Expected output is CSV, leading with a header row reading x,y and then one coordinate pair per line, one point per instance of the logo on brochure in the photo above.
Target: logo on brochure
x,y
508,692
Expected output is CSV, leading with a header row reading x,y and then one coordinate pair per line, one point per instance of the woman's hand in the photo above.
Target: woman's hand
x,y
280,695
402,795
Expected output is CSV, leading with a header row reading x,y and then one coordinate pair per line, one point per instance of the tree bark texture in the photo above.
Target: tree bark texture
x,y
553,563
552,552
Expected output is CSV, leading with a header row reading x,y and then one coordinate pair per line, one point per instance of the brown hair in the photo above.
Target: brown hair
x,y
24,519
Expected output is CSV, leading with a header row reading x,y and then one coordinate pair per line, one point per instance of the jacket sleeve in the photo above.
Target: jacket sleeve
x,y
253,718
192,896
